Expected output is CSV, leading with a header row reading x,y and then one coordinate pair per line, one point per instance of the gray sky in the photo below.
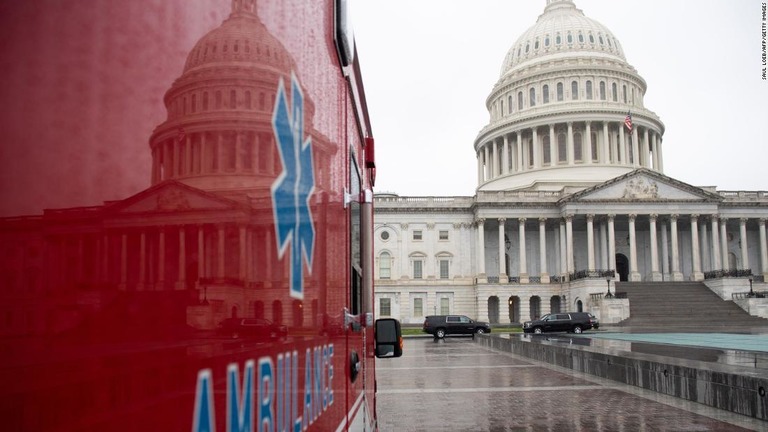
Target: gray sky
x,y
428,66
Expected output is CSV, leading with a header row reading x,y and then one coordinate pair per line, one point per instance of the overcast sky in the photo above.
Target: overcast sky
x,y
428,66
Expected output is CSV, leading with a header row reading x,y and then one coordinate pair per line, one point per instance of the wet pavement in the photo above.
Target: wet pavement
x,y
457,385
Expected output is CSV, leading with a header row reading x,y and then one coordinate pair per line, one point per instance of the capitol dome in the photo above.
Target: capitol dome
x,y
218,133
567,111
562,30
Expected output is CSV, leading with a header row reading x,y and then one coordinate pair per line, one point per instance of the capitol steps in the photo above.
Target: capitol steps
x,y
682,305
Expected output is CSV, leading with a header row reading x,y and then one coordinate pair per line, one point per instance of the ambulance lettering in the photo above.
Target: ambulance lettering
x,y
273,400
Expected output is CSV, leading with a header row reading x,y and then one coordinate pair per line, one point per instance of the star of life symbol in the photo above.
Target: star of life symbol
x,y
291,191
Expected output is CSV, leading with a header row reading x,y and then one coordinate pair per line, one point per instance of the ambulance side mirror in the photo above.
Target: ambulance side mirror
x,y
388,337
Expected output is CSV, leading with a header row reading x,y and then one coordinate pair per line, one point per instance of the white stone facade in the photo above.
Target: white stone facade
x,y
571,193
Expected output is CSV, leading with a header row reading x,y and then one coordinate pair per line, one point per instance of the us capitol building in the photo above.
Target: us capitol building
x,y
571,199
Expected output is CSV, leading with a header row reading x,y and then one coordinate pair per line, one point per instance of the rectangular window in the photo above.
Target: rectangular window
x,y
444,235
444,269
385,307
417,234
417,269
418,307
445,306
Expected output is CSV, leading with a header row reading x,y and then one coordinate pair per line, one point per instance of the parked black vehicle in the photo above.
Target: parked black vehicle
x,y
252,328
575,322
442,325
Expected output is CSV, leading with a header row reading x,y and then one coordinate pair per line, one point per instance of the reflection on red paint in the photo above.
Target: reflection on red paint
x,y
138,160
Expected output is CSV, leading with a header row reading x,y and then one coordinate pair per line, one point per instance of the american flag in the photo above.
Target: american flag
x,y
628,121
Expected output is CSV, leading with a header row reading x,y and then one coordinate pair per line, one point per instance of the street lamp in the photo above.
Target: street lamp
x,y
751,293
609,295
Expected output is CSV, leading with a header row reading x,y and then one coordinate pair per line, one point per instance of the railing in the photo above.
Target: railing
x,y
592,274
598,297
749,295
719,274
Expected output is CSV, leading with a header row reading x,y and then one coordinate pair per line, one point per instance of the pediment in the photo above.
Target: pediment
x,y
644,185
172,197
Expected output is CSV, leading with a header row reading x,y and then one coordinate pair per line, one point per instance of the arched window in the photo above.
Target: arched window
x,y
589,90
205,101
614,92
519,100
546,41
532,97
591,39
570,38
545,93
218,99
577,147
545,151
558,39
574,90
559,92
501,104
248,102
194,103
385,265
232,99
562,149
536,44
602,90
581,37
509,104
624,92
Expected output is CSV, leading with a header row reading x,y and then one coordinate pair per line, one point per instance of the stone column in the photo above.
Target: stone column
x,y
606,145
552,145
543,250
645,150
655,273
520,165
763,250
523,263
488,164
677,276
505,155
590,242
696,265
661,155
715,245
535,145
664,252
743,237
635,149
604,245
569,144
494,152
588,153
182,282
481,250
705,260
502,255
611,243
622,145
655,151
634,275
724,241
480,168
563,251
569,242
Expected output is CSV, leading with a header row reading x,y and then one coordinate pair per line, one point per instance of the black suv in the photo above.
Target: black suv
x,y
575,322
441,325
